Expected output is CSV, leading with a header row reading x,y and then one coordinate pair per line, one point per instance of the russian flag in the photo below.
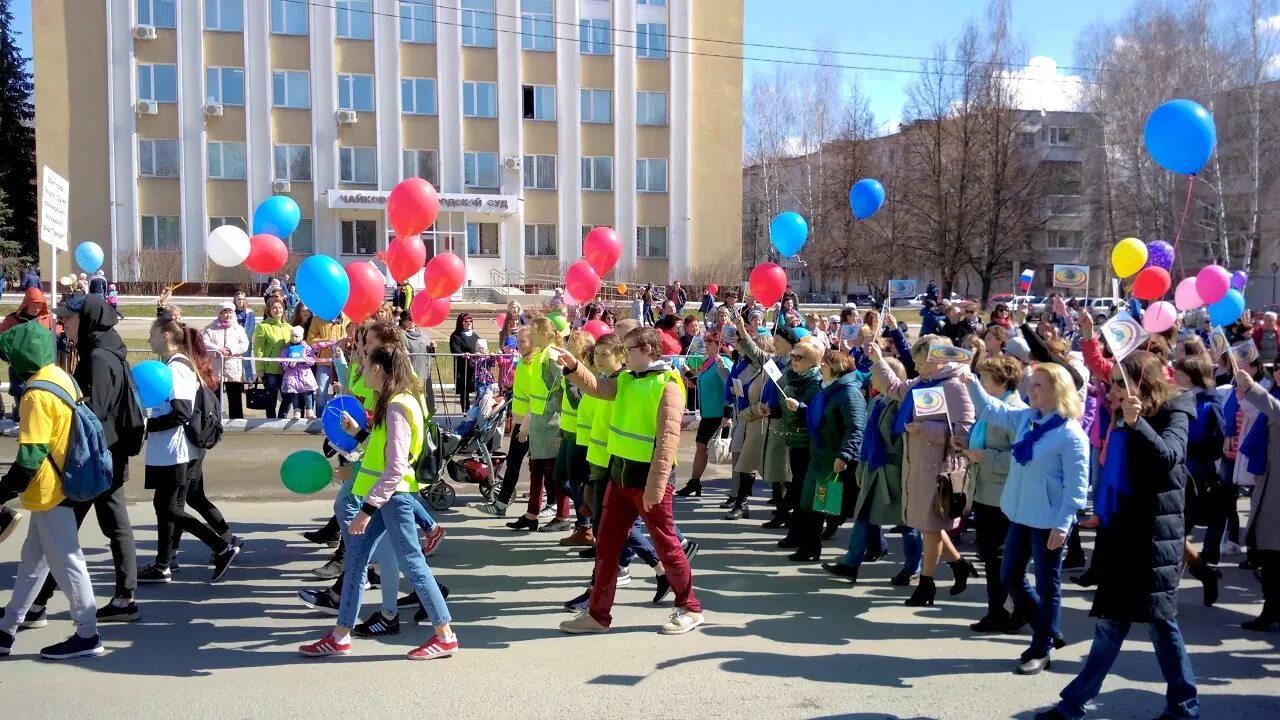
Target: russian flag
x,y
1024,280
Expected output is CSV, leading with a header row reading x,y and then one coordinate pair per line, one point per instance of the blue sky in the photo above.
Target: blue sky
x,y
913,27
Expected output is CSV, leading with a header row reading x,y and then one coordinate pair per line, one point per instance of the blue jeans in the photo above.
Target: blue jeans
x,y
272,384
860,538
345,507
1042,606
296,401
324,378
396,521
420,514
1171,653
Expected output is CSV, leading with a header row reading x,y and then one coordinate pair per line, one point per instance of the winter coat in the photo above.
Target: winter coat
x,y
802,387
419,348
229,369
1264,504
464,378
103,364
298,374
1205,440
927,452
836,418
987,478
32,308
269,338
880,490
1139,552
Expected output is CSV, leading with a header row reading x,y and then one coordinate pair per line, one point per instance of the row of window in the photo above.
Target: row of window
x,y
354,21
360,237
292,89
359,166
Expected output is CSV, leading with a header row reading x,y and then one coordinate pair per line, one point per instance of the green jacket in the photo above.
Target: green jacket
x,y
803,387
269,339
880,495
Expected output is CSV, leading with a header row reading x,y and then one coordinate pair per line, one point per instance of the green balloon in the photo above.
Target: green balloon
x,y
559,321
306,472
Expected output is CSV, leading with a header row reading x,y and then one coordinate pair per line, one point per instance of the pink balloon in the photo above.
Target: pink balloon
x,y
1212,283
500,320
1185,297
1159,317
581,281
713,288
602,249
597,328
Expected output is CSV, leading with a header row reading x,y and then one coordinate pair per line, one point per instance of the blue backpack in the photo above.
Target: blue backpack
x,y
88,463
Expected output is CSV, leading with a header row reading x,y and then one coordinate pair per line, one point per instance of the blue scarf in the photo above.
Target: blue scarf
x,y
872,454
1114,482
1022,448
907,408
1254,447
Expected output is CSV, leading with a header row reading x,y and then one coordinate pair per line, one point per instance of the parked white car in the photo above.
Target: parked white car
x,y
1036,303
1100,309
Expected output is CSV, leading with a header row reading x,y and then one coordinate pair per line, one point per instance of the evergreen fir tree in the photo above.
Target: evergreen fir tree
x,y
17,137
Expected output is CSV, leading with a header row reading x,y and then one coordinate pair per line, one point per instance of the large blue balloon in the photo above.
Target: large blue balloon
x,y
865,197
1180,136
332,421
89,256
323,286
154,381
788,232
277,215
1227,310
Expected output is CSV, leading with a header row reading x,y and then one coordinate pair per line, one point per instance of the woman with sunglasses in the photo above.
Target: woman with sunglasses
x,y
802,381
1139,552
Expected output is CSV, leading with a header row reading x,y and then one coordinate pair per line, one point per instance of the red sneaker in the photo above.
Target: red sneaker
x,y
432,540
436,647
327,646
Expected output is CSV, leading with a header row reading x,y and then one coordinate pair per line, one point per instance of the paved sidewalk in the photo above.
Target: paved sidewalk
x,y
782,641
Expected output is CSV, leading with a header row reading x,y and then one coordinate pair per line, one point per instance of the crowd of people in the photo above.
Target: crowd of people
x,y
1043,433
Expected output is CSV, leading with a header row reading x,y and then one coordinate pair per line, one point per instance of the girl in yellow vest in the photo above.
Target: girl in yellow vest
x,y
541,426
386,484
518,446
644,434
571,462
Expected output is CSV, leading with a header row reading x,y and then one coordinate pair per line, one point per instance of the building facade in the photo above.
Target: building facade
x,y
535,119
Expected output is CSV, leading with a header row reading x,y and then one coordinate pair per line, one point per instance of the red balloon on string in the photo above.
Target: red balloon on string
x,y
597,328
602,249
444,275
713,288
429,312
768,283
405,256
367,290
581,281
267,254
412,206
1151,283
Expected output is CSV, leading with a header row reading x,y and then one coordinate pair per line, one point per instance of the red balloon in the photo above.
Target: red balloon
x,y
405,256
412,206
367,290
602,249
768,283
444,275
429,312
1151,283
581,281
597,328
713,288
267,254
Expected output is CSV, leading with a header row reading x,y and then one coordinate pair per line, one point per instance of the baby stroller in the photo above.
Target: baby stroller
x,y
467,458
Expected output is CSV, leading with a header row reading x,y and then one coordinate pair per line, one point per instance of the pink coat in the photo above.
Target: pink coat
x,y
298,375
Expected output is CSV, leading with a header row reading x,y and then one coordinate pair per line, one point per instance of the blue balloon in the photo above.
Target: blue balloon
x,y
1228,309
89,256
277,215
332,421
1180,136
788,232
323,286
865,197
154,381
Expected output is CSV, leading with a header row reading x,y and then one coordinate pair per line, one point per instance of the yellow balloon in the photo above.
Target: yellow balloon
x,y
1128,257
622,288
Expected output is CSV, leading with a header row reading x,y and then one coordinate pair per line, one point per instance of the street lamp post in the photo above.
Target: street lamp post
x,y
1275,268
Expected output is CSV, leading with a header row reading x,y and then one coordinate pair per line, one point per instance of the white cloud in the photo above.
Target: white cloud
x,y
1272,23
1040,86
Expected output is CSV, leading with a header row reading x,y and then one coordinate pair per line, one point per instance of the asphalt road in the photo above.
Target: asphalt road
x,y
781,640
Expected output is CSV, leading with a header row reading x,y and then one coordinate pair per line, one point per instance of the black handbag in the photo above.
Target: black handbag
x,y
257,397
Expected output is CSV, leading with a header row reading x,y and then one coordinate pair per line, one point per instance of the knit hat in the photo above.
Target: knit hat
x,y
28,347
298,332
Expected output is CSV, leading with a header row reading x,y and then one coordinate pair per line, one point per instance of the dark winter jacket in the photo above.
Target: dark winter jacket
x,y
803,387
1138,554
836,418
103,364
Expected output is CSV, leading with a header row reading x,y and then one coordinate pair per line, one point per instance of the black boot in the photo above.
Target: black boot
x,y
833,525
779,520
694,487
1270,617
1085,579
1075,558
775,499
924,593
1209,577
738,511
962,570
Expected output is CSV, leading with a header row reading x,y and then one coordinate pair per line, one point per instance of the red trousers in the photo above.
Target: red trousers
x,y
621,507
540,472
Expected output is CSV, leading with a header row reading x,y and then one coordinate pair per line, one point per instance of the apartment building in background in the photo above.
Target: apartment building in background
x,y
535,119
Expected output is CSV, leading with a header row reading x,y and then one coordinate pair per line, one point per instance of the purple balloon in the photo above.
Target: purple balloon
x,y
1239,279
1159,254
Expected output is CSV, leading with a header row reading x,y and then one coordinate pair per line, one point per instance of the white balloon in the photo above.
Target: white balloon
x,y
228,245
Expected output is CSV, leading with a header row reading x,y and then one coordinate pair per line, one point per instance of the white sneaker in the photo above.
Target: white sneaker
x,y
546,514
681,622
624,577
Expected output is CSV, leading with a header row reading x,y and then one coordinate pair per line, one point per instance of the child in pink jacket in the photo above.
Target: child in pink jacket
x,y
298,386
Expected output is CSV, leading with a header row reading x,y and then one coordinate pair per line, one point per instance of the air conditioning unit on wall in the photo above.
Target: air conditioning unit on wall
x,y
281,186
348,117
512,162
145,32
213,110
147,107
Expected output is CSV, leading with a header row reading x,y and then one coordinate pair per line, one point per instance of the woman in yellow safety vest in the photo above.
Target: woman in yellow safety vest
x,y
386,483
571,462
541,425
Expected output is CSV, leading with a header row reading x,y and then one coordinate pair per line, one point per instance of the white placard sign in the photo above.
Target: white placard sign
x,y
54,203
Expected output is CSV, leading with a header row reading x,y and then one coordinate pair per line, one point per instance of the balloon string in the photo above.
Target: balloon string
x,y
1191,182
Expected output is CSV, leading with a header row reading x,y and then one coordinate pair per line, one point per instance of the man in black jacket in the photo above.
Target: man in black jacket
x,y
103,375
